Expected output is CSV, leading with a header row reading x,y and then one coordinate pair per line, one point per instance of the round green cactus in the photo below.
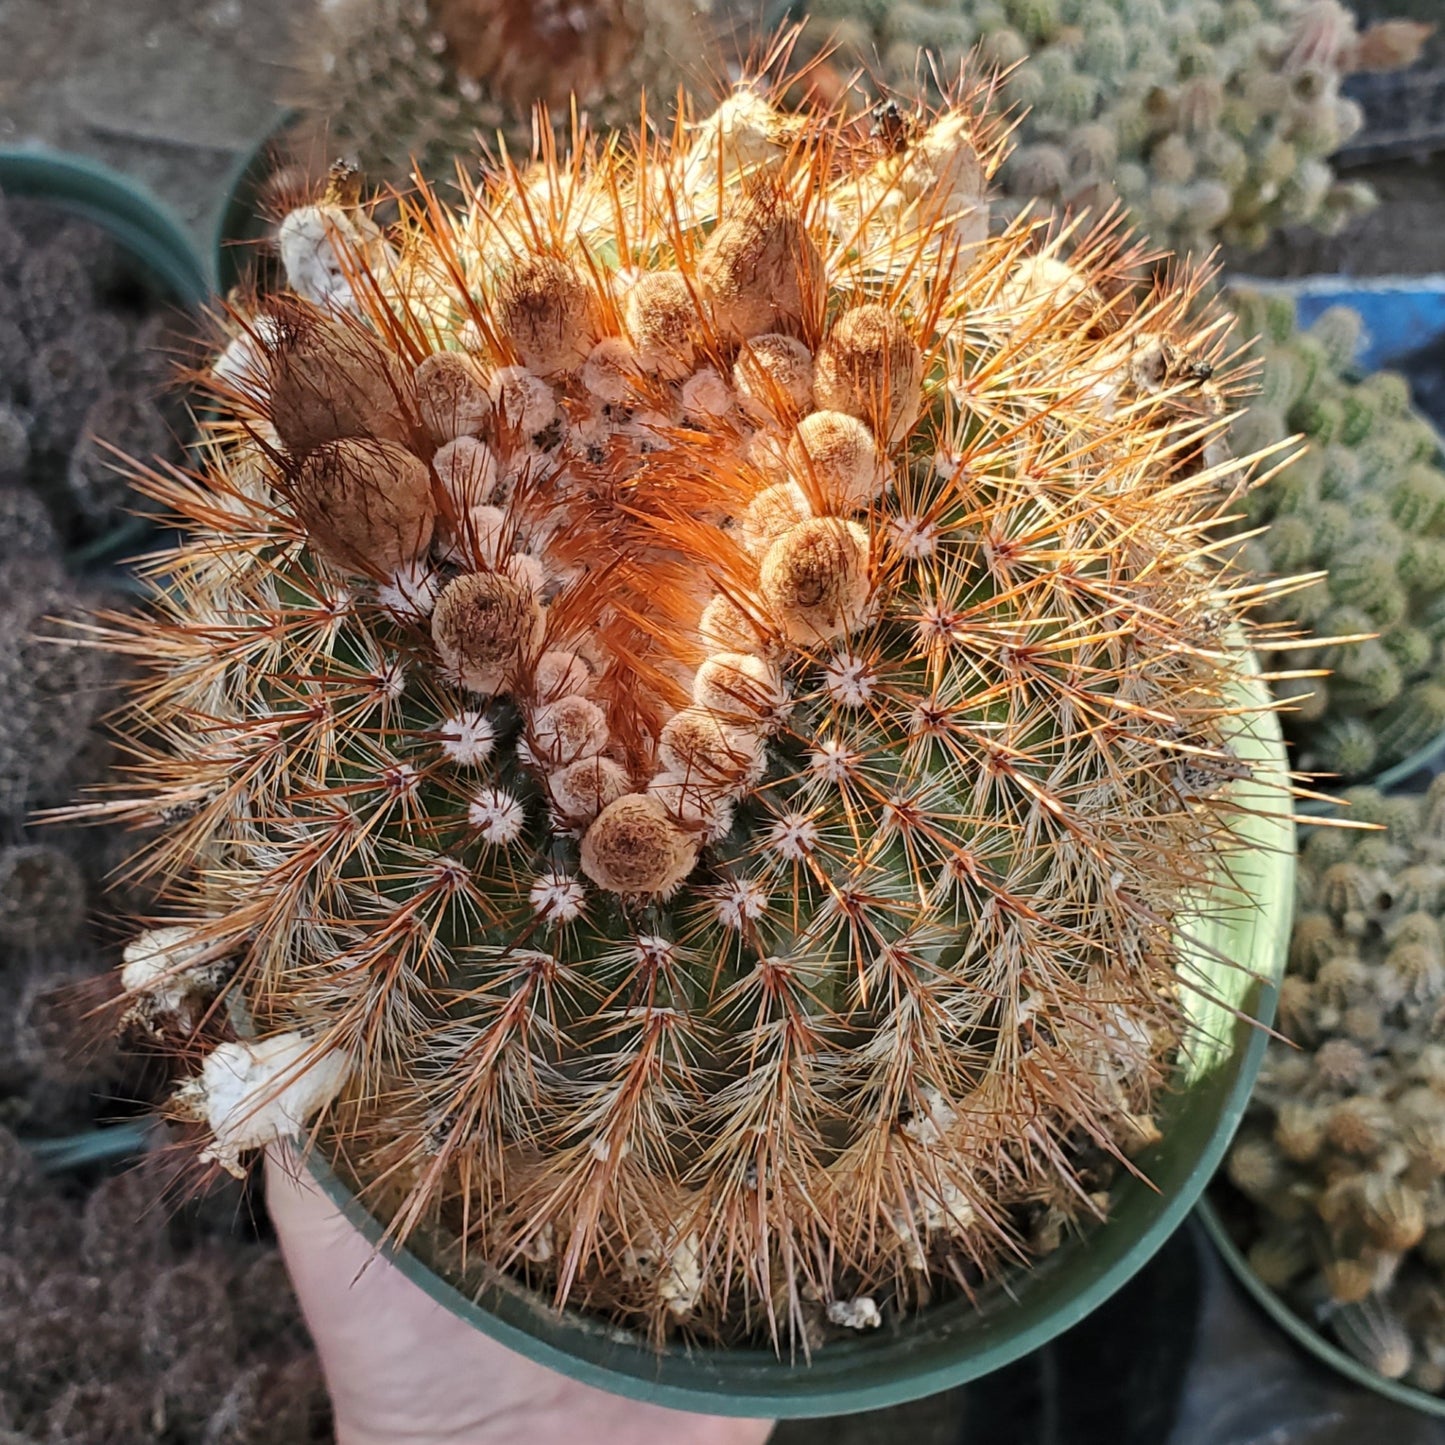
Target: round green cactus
x,y
713,724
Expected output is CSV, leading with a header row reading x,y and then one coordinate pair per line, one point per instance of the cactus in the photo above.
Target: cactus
x,y
42,896
698,767
1218,131
143,1337
115,421
1359,504
397,84
50,689
1344,1166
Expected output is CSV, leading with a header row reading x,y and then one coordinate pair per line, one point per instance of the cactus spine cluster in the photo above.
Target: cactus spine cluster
x,y
1364,503
1343,1152
692,698
1209,121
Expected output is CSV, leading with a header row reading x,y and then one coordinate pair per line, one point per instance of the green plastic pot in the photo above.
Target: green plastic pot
x,y
951,1343
142,226
1300,1331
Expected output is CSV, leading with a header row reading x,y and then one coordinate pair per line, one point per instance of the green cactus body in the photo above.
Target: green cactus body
x,y
1345,747
1414,720
1411,647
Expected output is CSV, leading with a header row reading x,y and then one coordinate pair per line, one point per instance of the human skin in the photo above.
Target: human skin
x,y
402,1370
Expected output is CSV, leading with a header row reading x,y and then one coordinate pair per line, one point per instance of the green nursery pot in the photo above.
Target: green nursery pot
x,y
1240,937
1303,1333
140,224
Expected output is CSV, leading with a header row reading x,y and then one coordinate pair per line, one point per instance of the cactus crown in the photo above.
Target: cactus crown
x,y
692,695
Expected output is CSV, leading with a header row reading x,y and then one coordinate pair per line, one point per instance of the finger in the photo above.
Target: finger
x,y
401,1367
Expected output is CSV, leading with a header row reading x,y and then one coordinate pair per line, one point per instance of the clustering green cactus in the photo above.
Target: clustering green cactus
x,y
1342,1154
1210,120
121,1321
1364,503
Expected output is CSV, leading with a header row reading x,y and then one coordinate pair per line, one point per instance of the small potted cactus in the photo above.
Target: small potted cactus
x,y
1332,1208
1363,506
708,752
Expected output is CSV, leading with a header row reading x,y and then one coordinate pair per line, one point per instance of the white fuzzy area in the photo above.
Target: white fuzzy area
x,y
738,683
654,951
793,836
706,396
468,472
739,901
480,539
557,897
498,816
525,401
157,963
553,728
522,567
850,681
946,463
391,679
679,1283
832,761
855,1314
936,623
944,1208
307,240
452,873
412,592
337,603
608,371
768,452
562,674
930,1126
913,536
252,1094
601,1150
650,429
468,738
400,779
244,365
539,1247
717,821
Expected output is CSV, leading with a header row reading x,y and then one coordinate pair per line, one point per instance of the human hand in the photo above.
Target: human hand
x,y
403,1371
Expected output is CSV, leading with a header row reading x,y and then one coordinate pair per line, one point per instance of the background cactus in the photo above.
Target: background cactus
x,y
1342,1156
126,1321
713,724
1210,122
1364,503
85,349
392,84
